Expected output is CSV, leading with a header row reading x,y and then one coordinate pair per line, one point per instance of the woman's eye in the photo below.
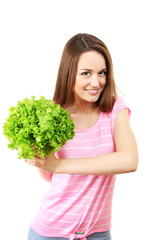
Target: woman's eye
x,y
85,73
103,73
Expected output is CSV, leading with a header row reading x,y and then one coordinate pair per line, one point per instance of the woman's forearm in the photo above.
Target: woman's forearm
x,y
112,163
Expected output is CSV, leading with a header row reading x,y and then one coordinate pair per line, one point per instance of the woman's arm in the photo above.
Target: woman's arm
x,y
124,160
45,175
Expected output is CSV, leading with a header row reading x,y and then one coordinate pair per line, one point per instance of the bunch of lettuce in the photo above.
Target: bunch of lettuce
x,y
38,125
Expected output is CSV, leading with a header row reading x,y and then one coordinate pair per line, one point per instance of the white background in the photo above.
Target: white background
x,y
33,34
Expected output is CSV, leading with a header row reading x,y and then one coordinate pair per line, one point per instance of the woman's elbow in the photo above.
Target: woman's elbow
x,y
133,162
45,175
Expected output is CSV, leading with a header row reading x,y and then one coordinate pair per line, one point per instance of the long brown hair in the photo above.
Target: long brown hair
x,y
73,49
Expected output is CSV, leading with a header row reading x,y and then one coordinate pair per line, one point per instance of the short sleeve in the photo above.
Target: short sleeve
x,y
118,105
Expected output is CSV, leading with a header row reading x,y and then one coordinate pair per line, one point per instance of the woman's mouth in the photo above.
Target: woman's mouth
x,y
92,91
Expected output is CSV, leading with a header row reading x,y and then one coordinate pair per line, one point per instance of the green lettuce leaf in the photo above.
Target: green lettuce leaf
x,y
37,124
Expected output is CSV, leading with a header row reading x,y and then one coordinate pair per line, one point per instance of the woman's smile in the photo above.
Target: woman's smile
x,y
92,91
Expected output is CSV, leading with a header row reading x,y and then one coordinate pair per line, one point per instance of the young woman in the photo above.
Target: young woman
x,y
82,174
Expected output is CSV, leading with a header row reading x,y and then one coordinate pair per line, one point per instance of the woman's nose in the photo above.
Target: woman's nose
x,y
95,81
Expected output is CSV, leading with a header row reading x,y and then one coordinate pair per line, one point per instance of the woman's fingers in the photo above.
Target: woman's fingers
x,y
30,162
37,162
48,164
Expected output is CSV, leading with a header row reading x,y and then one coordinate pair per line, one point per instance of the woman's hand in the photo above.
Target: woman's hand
x,y
49,164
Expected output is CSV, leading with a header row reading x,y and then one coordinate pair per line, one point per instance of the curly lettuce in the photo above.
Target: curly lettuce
x,y
37,125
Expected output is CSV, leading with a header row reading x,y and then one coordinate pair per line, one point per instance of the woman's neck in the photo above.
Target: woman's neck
x,y
86,108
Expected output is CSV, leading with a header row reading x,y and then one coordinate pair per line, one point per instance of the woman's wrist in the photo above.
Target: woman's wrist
x,y
57,165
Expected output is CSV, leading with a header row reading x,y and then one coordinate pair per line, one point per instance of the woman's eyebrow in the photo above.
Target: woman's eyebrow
x,y
87,69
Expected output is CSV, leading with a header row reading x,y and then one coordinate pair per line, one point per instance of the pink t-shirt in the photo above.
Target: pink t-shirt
x,y
79,205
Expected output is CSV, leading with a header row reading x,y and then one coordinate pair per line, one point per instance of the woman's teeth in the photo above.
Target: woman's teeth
x,y
92,91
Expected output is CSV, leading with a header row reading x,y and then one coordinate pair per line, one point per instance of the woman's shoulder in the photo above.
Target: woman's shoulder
x,y
117,106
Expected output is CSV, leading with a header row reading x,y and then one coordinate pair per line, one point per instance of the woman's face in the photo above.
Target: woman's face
x,y
91,77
